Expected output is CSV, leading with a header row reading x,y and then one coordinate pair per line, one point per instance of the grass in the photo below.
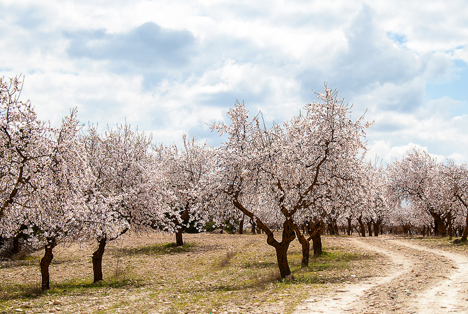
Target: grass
x,y
156,249
148,274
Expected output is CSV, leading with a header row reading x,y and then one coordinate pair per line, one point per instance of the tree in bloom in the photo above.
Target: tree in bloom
x,y
23,146
456,178
286,163
187,174
55,211
417,179
124,189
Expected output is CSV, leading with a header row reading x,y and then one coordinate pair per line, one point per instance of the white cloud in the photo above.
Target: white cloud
x,y
380,55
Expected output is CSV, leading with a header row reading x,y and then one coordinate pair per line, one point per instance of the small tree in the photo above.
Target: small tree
x,y
124,189
187,173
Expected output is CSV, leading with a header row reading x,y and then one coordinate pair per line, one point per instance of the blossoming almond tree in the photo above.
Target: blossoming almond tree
x,y
188,176
125,186
23,146
54,213
456,177
416,179
286,162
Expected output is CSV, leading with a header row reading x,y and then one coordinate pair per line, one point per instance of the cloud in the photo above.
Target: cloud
x,y
169,67
146,47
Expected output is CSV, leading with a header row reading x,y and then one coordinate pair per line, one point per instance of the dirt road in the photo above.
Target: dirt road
x,y
415,279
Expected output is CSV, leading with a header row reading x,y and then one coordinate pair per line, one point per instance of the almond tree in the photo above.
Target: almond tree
x,y
53,213
125,189
187,173
417,179
456,177
23,146
287,163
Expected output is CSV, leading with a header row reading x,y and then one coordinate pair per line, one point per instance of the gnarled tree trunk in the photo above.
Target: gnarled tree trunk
x,y
305,243
317,244
180,228
440,228
45,263
282,247
97,260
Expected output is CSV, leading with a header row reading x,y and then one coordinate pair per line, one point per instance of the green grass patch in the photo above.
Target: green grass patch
x,y
156,249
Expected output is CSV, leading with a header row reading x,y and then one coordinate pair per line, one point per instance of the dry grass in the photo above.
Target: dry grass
x,y
211,273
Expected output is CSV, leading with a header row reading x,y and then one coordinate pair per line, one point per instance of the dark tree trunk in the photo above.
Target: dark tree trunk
x,y
317,244
362,227
45,263
439,226
282,259
179,239
281,247
305,253
97,260
450,225
16,245
241,225
369,228
377,225
465,231
305,244
181,228
350,227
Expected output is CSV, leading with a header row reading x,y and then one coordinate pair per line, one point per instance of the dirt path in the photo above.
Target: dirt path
x,y
416,279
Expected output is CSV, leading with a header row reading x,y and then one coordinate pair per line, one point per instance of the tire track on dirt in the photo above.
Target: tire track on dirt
x,y
420,280
346,300
449,295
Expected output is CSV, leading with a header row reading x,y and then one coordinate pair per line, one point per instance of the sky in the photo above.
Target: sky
x,y
174,67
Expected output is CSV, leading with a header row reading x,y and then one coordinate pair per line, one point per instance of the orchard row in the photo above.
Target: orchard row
x,y
303,176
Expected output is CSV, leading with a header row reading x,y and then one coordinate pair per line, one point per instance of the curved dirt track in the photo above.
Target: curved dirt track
x,y
417,279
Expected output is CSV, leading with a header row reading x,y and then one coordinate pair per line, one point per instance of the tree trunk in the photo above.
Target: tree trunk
x,y
317,244
252,222
181,228
282,247
450,227
362,227
97,260
439,226
179,240
16,245
305,253
465,231
305,243
45,263
369,228
350,227
377,228
282,259
241,225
